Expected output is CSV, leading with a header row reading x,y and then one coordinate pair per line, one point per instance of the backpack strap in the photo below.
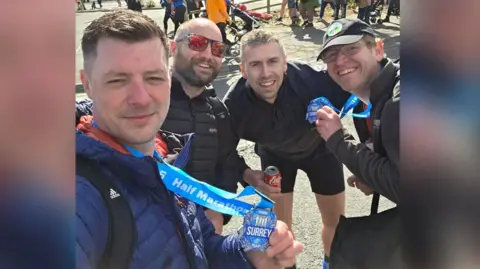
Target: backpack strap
x,y
377,143
222,118
122,234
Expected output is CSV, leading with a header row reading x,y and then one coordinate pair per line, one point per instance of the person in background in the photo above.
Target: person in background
x,y
324,6
307,10
292,11
340,6
178,10
217,12
167,5
364,10
391,5
192,6
134,5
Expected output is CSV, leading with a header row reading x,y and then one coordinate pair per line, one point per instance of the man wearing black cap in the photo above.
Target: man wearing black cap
x,y
355,60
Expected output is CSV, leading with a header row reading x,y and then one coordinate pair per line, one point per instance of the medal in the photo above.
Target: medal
x,y
258,225
351,103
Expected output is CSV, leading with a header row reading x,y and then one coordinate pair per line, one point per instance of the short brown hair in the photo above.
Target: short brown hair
x,y
258,37
371,41
124,25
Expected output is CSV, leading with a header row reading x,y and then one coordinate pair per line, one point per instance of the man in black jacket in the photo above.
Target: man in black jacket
x,y
268,106
355,60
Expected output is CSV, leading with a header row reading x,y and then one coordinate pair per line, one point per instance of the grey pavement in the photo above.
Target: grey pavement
x,y
301,45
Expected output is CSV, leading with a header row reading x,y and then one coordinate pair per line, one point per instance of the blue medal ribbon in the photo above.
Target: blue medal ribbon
x,y
351,103
182,184
259,220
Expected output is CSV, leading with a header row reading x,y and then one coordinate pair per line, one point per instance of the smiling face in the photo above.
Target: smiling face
x,y
130,89
354,66
197,67
263,66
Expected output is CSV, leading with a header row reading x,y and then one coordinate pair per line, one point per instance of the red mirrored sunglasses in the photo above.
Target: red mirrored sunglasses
x,y
200,43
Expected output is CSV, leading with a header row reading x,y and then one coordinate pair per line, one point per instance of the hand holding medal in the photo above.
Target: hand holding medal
x,y
268,242
323,115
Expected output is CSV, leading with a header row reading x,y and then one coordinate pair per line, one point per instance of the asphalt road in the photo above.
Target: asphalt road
x,y
303,45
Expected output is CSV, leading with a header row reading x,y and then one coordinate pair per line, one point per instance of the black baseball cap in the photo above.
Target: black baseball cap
x,y
344,32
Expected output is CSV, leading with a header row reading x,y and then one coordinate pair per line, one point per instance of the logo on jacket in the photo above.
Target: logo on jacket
x,y
113,194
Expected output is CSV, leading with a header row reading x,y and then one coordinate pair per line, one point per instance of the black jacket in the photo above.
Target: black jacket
x,y
281,128
379,168
213,155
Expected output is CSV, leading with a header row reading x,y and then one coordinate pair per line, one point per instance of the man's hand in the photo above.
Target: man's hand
x,y
354,181
328,122
282,250
216,218
256,179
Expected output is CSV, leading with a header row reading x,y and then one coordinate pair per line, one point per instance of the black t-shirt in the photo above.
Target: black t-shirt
x,y
281,127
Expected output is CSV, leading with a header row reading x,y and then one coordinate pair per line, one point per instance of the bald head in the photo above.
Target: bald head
x,y
199,26
195,64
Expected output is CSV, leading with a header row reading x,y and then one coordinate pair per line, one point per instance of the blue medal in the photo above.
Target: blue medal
x,y
351,103
258,225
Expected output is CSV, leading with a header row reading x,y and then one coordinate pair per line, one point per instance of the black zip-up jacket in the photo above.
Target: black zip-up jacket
x,y
281,128
213,157
378,168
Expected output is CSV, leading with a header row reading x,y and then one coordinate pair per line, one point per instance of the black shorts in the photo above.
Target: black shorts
x,y
324,171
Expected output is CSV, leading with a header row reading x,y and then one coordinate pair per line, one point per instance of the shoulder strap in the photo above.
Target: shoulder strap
x,y
377,143
221,116
219,109
122,231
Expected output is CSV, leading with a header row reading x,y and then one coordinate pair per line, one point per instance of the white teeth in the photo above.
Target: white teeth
x,y
346,71
266,84
204,65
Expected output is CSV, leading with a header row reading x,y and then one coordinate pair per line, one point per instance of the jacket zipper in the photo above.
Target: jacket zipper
x,y
183,240
192,111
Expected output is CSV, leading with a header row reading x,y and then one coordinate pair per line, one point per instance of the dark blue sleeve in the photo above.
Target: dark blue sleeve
x,y
318,83
91,224
221,251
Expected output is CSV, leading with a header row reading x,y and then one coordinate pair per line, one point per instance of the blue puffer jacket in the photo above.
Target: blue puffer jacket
x,y
156,213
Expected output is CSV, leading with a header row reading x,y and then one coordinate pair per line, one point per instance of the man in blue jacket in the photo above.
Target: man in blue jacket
x,y
130,90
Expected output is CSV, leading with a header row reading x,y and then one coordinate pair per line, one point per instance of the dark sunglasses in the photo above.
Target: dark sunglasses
x,y
200,43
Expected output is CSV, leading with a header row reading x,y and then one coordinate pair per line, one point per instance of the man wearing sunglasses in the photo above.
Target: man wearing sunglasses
x,y
197,53
120,145
268,106
356,61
